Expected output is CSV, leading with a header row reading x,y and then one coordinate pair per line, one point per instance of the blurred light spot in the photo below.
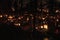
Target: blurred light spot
x,y
43,18
57,31
36,27
27,19
10,17
38,9
31,15
19,18
1,16
32,18
58,25
57,20
57,11
46,10
6,15
42,27
58,0
13,9
12,20
17,24
46,38
46,26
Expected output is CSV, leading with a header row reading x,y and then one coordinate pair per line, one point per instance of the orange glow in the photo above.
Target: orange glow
x,y
1,16
10,17
46,26
43,18
42,27
17,24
